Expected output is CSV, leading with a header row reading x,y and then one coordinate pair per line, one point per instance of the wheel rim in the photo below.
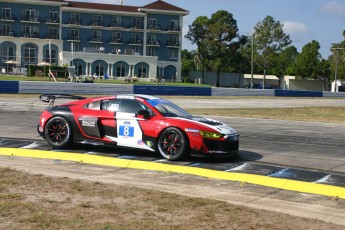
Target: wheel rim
x,y
171,144
57,131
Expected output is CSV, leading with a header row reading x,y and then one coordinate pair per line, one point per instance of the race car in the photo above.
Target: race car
x,y
135,121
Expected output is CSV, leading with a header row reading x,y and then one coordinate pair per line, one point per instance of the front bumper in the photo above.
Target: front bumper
x,y
40,131
219,148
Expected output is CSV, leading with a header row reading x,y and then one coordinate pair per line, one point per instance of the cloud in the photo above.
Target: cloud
x,y
290,27
334,8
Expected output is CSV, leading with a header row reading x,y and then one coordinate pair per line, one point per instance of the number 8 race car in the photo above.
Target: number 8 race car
x,y
135,121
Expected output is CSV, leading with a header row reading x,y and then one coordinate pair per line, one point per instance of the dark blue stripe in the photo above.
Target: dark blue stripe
x,y
9,86
297,93
172,90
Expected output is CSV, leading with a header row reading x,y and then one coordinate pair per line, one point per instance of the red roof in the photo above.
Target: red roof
x,y
161,5
100,6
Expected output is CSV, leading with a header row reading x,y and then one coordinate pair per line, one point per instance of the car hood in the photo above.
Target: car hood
x,y
214,124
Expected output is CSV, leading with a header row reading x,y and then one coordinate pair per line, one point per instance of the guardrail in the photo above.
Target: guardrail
x,y
35,87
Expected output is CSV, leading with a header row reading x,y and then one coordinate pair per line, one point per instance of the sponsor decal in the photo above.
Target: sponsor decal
x,y
149,144
88,123
127,123
126,131
140,142
191,130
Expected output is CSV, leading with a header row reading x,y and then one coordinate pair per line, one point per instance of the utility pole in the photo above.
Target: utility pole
x,y
252,64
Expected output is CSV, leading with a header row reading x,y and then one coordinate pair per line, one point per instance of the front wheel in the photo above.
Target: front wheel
x,y
58,132
173,144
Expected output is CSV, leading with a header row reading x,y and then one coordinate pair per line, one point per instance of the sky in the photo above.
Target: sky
x,y
303,20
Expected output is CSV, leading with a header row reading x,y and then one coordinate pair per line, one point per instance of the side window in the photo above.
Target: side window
x,y
94,105
111,105
130,106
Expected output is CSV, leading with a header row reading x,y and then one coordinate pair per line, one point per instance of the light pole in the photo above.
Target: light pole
x,y
252,64
336,49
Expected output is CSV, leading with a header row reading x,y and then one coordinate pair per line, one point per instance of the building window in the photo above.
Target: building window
x,y
6,13
78,69
142,71
174,25
51,58
6,29
97,20
8,53
74,34
31,15
121,70
53,33
151,51
30,31
53,16
136,23
173,54
75,19
30,54
100,70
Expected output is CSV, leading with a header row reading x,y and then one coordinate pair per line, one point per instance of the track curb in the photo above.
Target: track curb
x,y
279,183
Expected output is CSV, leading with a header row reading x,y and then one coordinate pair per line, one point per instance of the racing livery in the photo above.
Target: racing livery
x,y
135,121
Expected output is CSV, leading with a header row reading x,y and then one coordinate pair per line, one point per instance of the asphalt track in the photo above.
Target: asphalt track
x,y
298,156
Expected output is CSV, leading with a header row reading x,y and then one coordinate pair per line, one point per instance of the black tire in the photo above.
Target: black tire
x,y
173,144
58,132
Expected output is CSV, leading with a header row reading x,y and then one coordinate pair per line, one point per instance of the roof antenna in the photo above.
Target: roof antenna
x,y
121,2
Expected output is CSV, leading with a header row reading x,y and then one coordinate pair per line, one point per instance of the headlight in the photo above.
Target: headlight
x,y
212,135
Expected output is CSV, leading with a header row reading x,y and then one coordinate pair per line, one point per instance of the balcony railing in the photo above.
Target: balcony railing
x,y
73,21
9,17
30,35
133,41
6,33
173,28
136,26
52,20
115,25
173,44
115,40
73,38
96,23
154,27
26,18
96,39
153,43
52,36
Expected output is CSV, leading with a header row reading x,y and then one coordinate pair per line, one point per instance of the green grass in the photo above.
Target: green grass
x,y
108,81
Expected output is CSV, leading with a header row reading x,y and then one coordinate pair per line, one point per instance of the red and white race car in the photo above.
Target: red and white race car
x,y
135,121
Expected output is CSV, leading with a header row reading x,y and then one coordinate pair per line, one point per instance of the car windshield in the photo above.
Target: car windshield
x,y
168,109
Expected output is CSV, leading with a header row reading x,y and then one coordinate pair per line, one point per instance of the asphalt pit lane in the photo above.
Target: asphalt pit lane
x,y
216,166
336,180
257,169
299,174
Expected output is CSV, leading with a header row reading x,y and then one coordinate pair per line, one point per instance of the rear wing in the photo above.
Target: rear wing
x,y
50,98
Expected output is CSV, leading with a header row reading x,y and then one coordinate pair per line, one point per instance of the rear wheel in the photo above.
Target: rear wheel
x,y
58,132
173,144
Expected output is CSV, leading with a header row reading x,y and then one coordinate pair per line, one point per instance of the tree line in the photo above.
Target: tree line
x,y
220,48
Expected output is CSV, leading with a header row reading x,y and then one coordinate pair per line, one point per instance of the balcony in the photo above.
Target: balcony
x,y
52,20
6,33
73,21
136,26
8,17
73,38
171,28
153,43
155,27
135,42
30,19
173,44
51,36
96,39
96,23
115,25
115,41
30,35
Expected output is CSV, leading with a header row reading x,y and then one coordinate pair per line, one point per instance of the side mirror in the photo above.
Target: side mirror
x,y
143,114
